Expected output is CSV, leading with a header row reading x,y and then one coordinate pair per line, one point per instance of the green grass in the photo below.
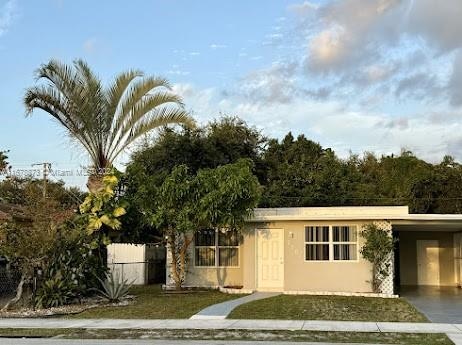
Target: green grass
x,y
301,336
152,303
329,308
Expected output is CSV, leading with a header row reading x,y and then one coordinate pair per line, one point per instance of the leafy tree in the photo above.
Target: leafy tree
x,y
105,121
218,143
14,192
3,160
213,198
301,173
27,241
378,250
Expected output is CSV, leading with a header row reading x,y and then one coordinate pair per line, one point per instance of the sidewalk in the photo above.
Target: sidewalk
x,y
309,325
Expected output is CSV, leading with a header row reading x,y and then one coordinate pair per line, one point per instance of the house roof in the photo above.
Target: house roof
x,y
396,214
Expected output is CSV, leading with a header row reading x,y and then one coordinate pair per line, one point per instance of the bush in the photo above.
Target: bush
x,y
72,270
378,250
54,292
114,289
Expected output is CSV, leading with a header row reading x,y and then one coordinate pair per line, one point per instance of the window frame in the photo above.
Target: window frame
x,y
331,243
217,253
210,247
322,243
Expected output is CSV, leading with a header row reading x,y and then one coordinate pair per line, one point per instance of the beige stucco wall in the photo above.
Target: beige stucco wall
x,y
299,275
408,255
214,276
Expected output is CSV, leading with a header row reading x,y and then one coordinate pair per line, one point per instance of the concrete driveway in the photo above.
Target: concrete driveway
x,y
441,304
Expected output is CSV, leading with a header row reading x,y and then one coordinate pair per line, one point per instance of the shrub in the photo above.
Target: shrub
x,y
378,250
72,269
54,292
114,289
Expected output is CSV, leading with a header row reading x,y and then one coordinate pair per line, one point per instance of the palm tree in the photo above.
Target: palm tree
x,y
105,121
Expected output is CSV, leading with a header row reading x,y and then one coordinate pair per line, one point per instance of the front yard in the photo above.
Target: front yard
x,y
152,303
329,308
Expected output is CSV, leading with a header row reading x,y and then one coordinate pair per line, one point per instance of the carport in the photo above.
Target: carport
x,y
428,261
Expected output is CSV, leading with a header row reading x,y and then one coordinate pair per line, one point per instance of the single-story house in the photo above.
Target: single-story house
x,y
317,250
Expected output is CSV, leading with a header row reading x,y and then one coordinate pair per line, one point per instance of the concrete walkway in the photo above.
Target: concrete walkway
x,y
222,310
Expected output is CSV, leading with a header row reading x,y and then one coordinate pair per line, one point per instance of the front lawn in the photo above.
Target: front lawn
x,y
329,308
152,303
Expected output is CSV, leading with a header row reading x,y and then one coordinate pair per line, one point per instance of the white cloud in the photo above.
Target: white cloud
x,y
218,46
329,123
328,48
177,71
7,15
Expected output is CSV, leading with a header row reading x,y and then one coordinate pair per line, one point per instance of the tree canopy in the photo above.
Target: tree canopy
x,y
3,161
220,198
298,171
104,120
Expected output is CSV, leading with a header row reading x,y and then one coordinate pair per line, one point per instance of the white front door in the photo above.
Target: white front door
x,y
428,262
270,259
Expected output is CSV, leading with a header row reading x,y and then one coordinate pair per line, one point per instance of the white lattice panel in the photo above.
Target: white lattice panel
x,y
387,285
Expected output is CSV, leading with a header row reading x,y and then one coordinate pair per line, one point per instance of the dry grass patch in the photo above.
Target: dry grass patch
x,y
329,308
151,303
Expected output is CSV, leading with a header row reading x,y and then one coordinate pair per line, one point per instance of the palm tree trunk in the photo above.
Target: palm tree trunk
x,y
95,182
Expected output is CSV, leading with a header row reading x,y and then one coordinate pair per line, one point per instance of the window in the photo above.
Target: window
x,y
205,251
345,242
317,243
216,247
331,243
228,248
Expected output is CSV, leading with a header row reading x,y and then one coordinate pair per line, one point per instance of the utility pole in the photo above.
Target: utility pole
x,y
46,169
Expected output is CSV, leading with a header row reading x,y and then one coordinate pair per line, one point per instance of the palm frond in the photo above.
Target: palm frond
x,y
52,101
139,110
117,89
104,120
158,117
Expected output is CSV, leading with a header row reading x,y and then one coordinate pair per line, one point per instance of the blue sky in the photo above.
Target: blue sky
x,y
359,75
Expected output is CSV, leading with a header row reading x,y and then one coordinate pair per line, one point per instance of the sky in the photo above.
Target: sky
x,y
353,75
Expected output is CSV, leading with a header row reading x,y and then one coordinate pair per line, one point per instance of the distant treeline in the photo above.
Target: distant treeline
x,y
300,172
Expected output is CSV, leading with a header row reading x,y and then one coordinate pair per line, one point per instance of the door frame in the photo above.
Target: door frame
x,y
257,263
419,245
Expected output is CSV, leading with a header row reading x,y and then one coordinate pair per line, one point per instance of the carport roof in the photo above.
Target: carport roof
x,y
395,214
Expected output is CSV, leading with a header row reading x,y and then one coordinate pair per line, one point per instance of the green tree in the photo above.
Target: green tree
x,y
105,121
302,173
14,192
217,143
213,198
3,160
27,240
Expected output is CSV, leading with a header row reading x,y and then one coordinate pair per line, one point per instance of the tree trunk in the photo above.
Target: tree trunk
x,y
18,296
176,276
95,182
178,252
